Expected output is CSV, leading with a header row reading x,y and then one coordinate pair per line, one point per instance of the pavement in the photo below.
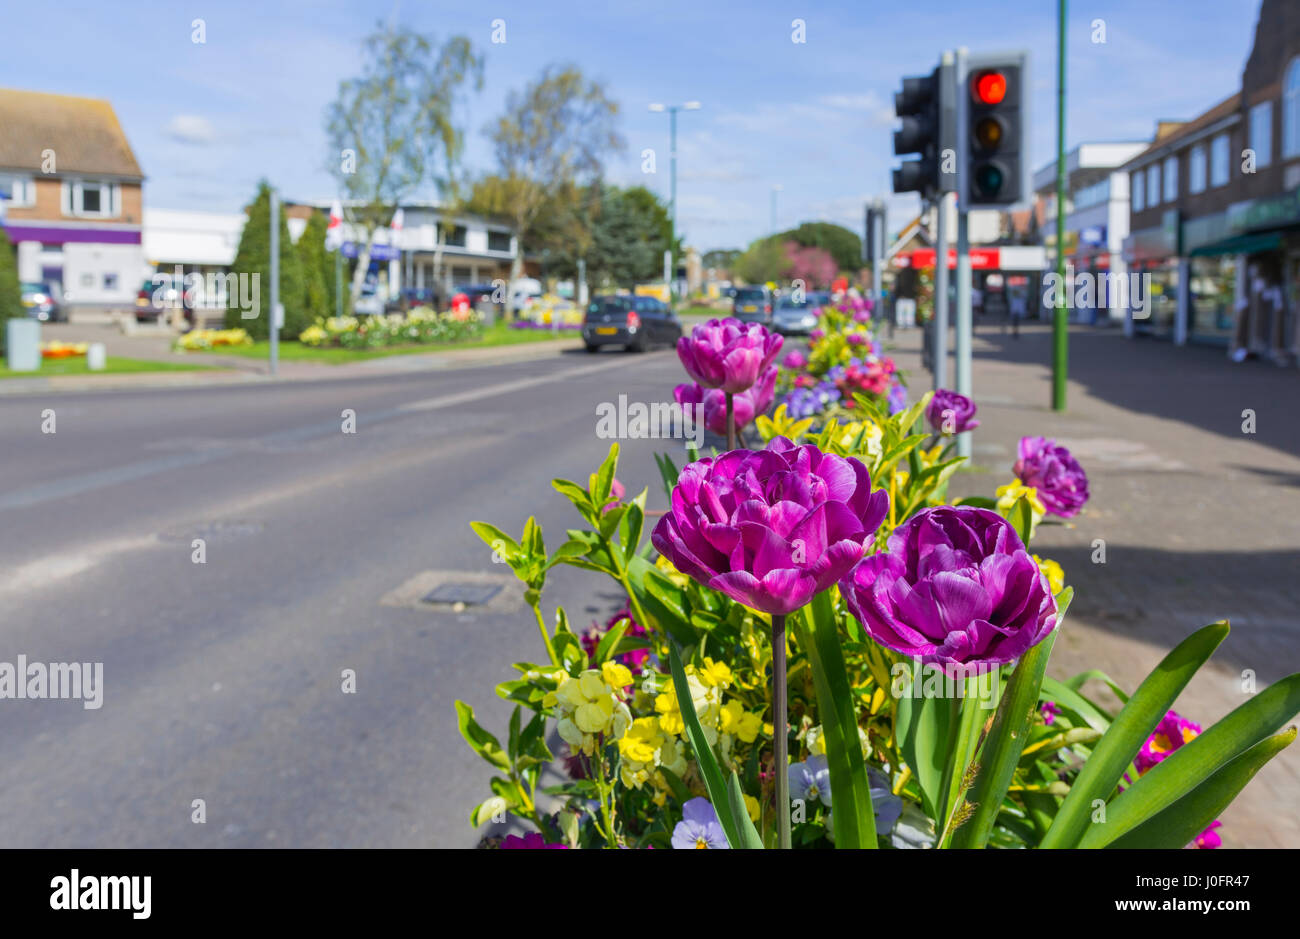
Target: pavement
x,y
1199,519
223,680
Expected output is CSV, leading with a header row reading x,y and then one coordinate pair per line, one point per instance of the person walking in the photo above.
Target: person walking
x,y
1018,308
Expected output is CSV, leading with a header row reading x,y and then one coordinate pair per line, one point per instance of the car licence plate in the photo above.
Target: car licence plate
x,y
606,330
749,309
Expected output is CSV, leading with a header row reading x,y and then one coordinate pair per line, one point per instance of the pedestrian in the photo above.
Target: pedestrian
x,y
1018,308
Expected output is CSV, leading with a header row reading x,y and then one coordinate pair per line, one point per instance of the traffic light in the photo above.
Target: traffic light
x,y
917,107
994,147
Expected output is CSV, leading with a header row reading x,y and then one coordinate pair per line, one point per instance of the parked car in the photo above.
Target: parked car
x,y
752,305
480,298
411,297
635,323
792,318
368,303
158,295
525,292
39,300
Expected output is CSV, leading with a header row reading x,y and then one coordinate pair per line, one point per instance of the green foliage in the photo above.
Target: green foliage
x,y
317,269
842,244
253,258
11,295
762,261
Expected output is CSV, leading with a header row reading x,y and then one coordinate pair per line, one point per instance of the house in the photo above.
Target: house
x,y
70,197
1096,217
1215,214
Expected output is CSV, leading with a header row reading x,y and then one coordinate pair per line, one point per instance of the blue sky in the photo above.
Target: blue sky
x,y
206,121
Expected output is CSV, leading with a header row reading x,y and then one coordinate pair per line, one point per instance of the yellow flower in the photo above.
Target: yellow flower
x,y
1012,492
734,719
616,675
717,674
1053,572
642,741
751,807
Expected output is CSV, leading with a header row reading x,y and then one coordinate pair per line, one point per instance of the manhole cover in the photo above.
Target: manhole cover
x,y
468,594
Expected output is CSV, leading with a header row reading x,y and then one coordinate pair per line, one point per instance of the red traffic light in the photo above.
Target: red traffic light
x,y
990,87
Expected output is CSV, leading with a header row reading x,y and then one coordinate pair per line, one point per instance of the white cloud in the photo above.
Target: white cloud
x,y
192,129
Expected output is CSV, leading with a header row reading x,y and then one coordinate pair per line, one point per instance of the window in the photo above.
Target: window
x,y
1261,132
1219,160
1196,170
456,236
110,281
91,198
1291,110
1138,205
1096,194
1153,184
18,190
1171,179
498,240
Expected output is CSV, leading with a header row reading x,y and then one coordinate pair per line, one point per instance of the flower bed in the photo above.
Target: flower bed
x,y
420,326
820,648
197,340
63,350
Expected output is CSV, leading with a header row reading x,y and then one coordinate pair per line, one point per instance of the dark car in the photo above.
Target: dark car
x,y
411,297
481,298
38,299
635,323
753,305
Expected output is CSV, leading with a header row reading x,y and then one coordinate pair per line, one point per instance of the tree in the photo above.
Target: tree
x,y
764,260
552,138
388,127
844,246
253,260
720,259
11,291
629,237
814,266
317,269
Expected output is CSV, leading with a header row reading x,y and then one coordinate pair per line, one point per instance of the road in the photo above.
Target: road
x,y
223,680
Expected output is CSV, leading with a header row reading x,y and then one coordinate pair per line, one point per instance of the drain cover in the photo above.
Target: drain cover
x,y
468,594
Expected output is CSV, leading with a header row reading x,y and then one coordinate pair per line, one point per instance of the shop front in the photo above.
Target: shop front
x,y
1153,253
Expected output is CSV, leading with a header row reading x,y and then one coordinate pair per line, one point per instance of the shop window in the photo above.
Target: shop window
x,y
1219,160
1291,110
1261,132
1196,170
1171,179
1153,184
1138,192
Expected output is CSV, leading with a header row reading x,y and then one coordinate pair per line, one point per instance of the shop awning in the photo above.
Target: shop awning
x,y
1239,244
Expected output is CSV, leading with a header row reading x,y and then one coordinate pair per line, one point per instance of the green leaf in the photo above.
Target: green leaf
x,y
663,600
1175,775
855,825
679,790
740,816
1022,519
501,544
1069,699
965,743
603,479
979,502
704,758
667,472
480,741
609,641
1126,734
922,725
575,494
1179,824
630,531
1001,751
512,744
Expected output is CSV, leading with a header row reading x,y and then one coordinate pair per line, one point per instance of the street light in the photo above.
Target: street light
x,y
672,110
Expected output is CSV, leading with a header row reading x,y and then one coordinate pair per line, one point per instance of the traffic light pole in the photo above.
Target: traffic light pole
x,y
963,322
273,326
940,325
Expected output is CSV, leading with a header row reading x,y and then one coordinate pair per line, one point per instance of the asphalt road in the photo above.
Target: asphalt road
x,y
222,681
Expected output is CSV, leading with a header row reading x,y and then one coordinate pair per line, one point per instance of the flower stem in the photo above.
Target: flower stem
x,y
780,717
541,624
731,422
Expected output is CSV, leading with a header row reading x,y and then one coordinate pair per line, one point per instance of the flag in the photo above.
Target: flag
x,y
398,218
334,232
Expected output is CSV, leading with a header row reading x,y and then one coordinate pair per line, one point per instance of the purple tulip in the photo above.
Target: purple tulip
x,y
1061,482
794,361
951,413
956,589
770,528
728,354
747,405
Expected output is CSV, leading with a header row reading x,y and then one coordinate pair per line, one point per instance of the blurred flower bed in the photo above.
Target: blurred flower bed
x,y
63,350
420,326
198,340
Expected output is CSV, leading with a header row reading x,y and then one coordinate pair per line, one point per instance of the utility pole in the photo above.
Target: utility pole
x,y
1060,333
672,110
963,320
273,327
940,325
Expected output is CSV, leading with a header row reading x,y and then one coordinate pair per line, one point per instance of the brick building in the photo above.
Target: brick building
x,y
1215,207
70,197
